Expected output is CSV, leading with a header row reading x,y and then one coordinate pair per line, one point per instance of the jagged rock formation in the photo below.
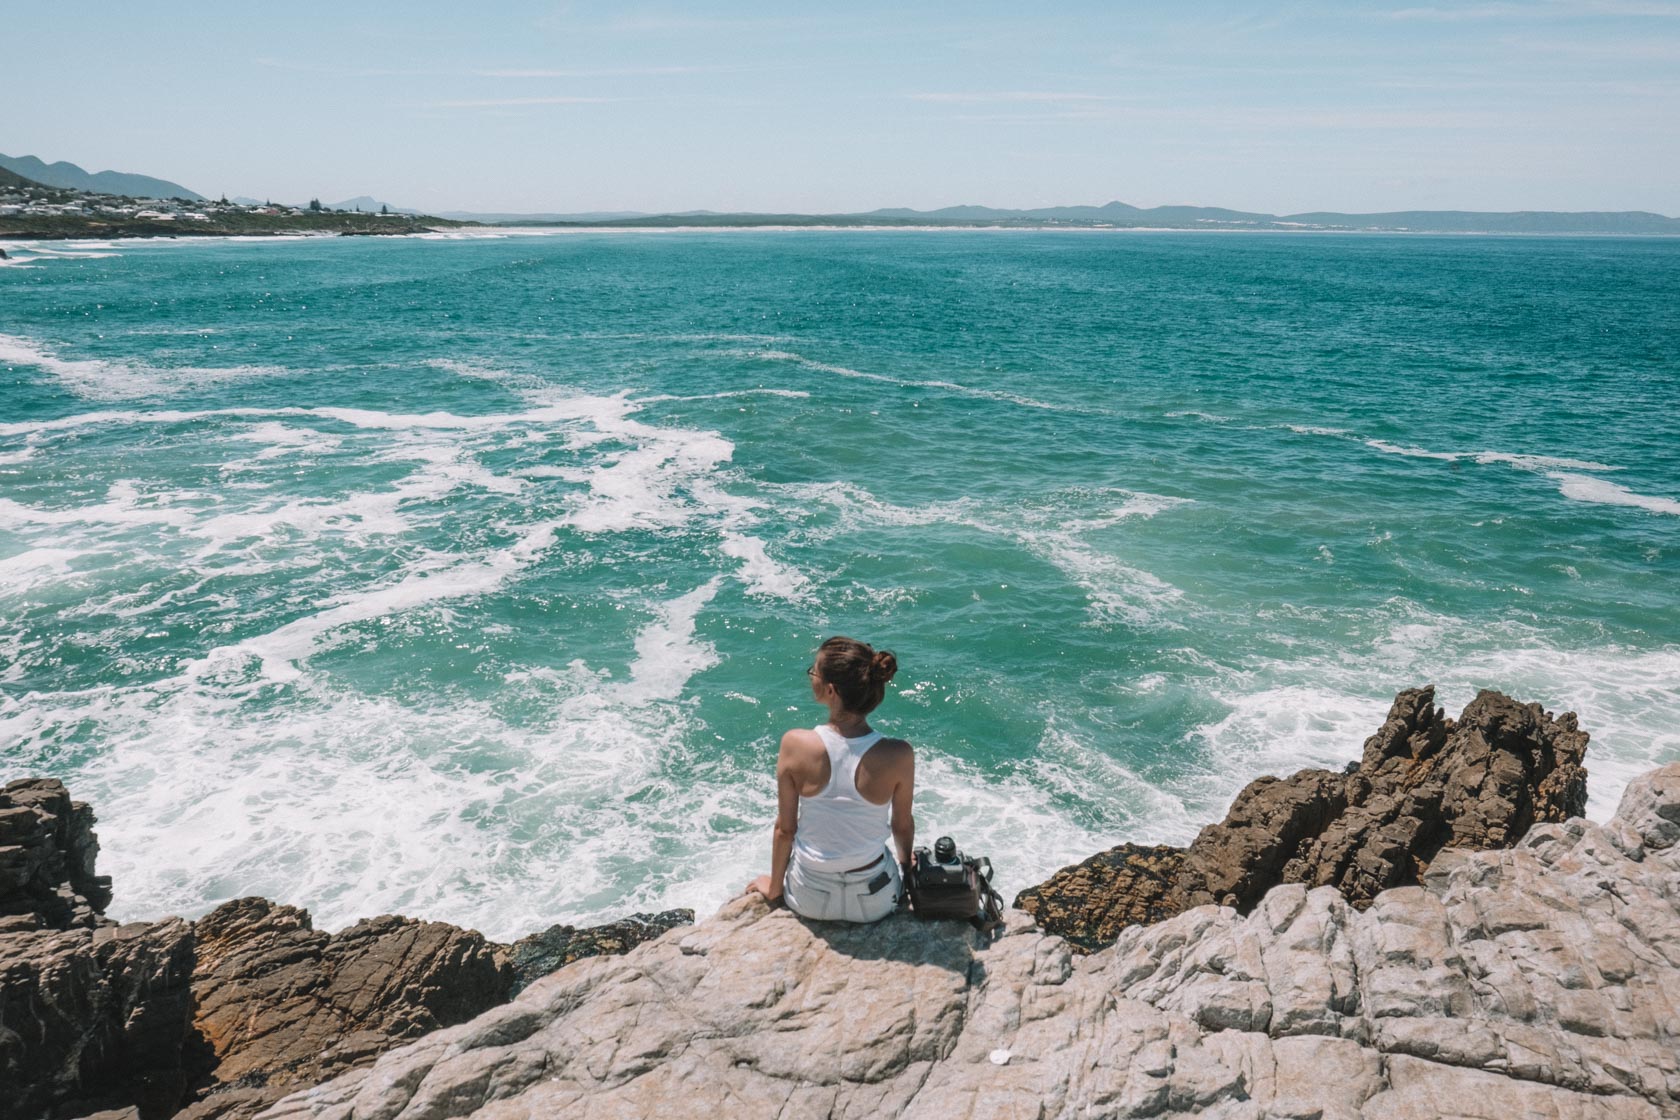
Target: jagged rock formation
x,y
91,1013
94,1018
281,1005
1424,784
228,1013
47,853
1542,980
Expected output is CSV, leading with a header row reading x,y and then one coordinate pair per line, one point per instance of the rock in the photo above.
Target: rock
x,y
1424,784
47,853
94,1018
1091,902
281,1004
539,954
229,1013
1541,980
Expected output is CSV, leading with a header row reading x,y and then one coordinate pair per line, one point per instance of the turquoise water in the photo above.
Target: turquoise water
x,y
475,578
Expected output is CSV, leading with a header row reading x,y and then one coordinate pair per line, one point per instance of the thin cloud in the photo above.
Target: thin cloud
x,y
624,72
517,102
1549,9
1028,97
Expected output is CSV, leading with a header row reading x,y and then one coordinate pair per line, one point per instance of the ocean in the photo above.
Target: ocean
x,y
474,577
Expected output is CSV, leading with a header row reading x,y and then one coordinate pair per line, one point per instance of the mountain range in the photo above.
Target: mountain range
x,y
70,177
1109,215
1124,216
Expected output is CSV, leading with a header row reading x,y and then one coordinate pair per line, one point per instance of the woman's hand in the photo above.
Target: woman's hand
x,y
762,886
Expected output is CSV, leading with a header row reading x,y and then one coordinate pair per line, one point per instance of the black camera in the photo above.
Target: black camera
x,y
940,867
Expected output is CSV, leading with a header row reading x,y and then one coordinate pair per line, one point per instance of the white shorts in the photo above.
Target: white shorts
x,y
842,896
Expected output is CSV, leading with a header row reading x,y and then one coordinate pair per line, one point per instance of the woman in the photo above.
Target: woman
x,y
842,790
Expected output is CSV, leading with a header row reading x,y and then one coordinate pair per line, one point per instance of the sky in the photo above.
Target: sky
x,y
528,106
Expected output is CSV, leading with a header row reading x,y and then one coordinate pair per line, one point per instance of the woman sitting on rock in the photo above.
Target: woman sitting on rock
x,y
842,790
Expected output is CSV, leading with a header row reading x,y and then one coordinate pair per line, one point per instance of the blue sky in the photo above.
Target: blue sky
x,y
528,106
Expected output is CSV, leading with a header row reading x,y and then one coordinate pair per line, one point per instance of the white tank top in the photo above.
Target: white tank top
x,y
838,829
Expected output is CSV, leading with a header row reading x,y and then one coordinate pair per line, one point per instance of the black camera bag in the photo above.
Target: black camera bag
x,y
970,898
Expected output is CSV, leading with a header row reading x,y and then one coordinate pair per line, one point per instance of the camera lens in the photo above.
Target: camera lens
x,y
945,850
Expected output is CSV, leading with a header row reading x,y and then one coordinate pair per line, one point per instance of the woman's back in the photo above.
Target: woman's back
x,y
839,827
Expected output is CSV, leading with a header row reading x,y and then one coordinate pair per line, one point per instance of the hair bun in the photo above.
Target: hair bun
x,y
883,666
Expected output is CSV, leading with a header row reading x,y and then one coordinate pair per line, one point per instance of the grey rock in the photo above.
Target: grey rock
x,y
1535,981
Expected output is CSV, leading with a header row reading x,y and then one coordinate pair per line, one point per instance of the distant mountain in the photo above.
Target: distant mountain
x,y
69,176
367,204
516,219
1123,216
13,179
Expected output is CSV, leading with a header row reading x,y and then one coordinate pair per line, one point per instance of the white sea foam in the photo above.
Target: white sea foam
x,y
667,654
909,383
639,488
1540,462
1575,486
124,504
1314,430
279,651
1601,491
728,394
31,569
1411,452
1118,593
762,574
352,804
102,379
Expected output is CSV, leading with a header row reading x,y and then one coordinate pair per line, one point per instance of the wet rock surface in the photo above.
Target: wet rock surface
x,y
1425,784
1541,980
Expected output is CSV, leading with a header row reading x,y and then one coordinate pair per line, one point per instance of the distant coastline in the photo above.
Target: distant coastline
x,y
31,211
1120,216
34,211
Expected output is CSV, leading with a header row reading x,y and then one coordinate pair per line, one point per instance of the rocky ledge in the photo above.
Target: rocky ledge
x,y
1538,981
1367,943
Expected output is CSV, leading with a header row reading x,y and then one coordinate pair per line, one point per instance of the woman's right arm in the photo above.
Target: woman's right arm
x,y
903,821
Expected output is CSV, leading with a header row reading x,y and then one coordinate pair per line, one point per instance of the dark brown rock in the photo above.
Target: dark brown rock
x,y
94,1018
539,954
47,853
230,1013
1091,902
281,1005
1423,784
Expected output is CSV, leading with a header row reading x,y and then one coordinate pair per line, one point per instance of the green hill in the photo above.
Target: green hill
x,y
10,178
71,177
